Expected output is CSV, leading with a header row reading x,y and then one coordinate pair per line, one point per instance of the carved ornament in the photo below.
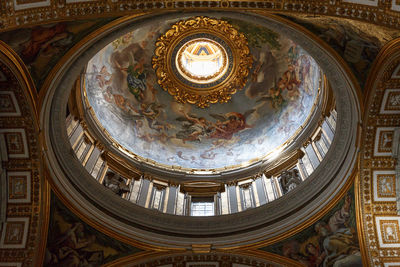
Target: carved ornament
x,y
236,56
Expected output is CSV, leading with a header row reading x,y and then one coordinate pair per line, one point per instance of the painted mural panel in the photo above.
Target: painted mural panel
x,y
71,242
358,43
41,47
331,241
122,88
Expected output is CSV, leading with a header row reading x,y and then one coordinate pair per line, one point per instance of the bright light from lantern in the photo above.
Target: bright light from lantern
x,y
202,61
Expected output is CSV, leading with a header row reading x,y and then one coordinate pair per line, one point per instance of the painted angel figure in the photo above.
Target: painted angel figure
x,y
338,239
193,128
274,95
136,82
230,123
102,76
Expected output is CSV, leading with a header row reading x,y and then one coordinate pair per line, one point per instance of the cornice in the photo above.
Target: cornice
x,y
249,256
342,155
43,12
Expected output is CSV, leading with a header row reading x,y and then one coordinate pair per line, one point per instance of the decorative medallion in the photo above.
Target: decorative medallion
x,y
202,60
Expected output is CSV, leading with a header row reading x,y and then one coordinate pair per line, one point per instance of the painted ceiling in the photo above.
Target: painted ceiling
x,y
269,111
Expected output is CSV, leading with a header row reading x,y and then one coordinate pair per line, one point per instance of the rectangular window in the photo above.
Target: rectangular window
x,y
247,196
334,114
327,130
202,206
135,188
326,140
97,167
75,135
277,187
322,148
332,123
156,202
307,164
312,156
224,203
81,148
269,189
302,169
71,125
180,203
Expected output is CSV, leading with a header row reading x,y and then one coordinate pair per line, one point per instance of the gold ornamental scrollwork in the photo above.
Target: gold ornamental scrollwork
x,y
240,61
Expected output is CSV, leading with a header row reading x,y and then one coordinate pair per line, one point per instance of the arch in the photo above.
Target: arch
x,y
22,170
269,222
377,182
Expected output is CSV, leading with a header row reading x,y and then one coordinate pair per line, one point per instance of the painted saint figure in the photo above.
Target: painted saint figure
x,y
136,82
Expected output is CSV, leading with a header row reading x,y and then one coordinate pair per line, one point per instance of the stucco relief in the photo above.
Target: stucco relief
x,y
378,168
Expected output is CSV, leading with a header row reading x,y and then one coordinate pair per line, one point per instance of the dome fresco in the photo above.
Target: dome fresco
x,y
281,91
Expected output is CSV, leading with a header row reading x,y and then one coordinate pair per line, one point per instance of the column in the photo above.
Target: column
x,y
172,196
232,199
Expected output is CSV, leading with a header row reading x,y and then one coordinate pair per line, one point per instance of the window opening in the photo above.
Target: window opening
x,y
202,206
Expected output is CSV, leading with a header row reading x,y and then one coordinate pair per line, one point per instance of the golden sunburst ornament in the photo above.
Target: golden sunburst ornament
x,y
202,60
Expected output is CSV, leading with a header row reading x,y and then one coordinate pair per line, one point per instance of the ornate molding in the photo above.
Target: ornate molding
x,y
342,154
205,255
238,59
14,16
377,186
27,210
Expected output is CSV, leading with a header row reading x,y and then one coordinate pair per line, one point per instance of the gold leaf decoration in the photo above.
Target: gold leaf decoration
x,y
220,91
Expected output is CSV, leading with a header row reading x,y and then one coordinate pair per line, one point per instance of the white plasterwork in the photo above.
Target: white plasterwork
x,y
10,264
25,220
14,100
27,198
377,153
76,1
30,5
25,154
375,186
391,264
395,7
383,244
363,2
384,101
396,155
